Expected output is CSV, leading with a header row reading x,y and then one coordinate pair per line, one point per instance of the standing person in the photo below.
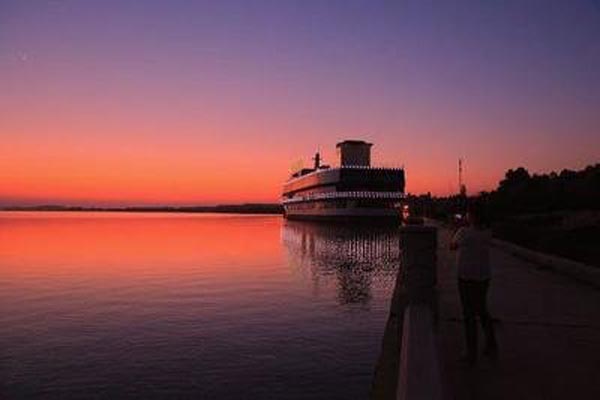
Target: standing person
x,y
473,266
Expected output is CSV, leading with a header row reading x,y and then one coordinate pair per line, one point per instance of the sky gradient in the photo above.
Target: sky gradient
x,y
190,102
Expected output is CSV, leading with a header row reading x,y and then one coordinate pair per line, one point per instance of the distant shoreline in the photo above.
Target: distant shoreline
x,y
224,209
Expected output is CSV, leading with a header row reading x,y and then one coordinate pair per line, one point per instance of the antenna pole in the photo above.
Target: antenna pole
x,y
462,189
460,183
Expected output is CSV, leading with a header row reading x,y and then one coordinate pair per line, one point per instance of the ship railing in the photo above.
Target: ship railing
x,y
372,167
346,195
363,167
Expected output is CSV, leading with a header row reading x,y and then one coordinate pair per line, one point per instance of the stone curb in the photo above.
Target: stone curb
x,y
419,374
579,271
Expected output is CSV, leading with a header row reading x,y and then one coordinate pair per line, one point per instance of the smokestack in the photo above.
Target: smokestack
x,y
354,153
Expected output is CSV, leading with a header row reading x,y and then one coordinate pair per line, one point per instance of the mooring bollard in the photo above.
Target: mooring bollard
x,y
418,245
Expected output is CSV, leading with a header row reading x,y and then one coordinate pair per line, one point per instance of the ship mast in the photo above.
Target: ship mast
x,y
317,159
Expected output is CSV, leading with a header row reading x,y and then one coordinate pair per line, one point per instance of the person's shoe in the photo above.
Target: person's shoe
x,y
468,360
491,352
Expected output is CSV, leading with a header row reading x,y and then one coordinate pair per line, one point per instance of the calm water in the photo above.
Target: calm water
x,y
190,306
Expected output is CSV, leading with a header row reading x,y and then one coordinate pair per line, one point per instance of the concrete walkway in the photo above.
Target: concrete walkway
x,y
548,329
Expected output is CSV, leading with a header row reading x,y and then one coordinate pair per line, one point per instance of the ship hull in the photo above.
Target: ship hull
x,y
360,219
354,214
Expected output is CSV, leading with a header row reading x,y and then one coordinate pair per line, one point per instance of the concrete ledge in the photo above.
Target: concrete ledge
x,y
581,272
419,373
427,229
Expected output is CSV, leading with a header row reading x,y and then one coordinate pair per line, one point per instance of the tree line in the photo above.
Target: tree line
x,y
521,192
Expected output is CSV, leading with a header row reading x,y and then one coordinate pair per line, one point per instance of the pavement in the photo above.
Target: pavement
x,y
548,330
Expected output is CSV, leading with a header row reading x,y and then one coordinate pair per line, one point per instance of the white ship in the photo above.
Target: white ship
x,y
354,190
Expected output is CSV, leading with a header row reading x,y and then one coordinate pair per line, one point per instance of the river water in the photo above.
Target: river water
x,y
178,306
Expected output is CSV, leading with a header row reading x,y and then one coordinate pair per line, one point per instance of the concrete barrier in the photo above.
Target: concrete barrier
x,y
408,367
579,271
418,245
420,376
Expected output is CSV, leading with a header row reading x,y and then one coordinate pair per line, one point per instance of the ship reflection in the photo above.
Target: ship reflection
x,y
357,256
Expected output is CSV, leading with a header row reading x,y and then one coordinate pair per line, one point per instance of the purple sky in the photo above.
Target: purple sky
x,y
127,102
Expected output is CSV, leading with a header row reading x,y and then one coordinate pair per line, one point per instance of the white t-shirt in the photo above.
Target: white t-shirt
x,y
473,253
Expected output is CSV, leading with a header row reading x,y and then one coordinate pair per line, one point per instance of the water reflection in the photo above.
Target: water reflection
x,y
143,306
355,255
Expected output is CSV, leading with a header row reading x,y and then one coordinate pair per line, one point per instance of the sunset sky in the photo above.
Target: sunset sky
x,y
198,102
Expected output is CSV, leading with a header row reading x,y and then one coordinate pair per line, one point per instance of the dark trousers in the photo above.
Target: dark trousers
x,y
473,296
